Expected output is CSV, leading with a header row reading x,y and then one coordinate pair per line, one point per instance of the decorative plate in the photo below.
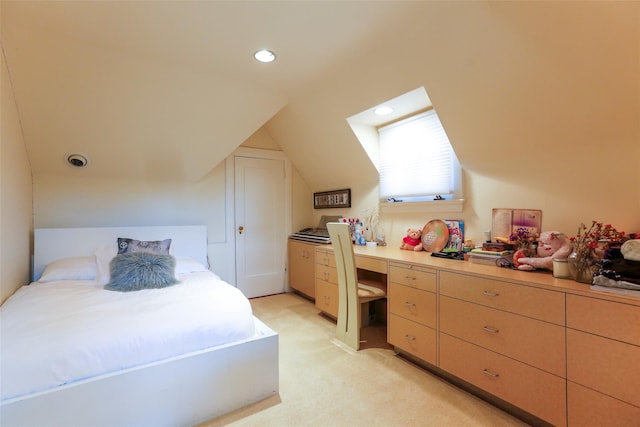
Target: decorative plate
x,y
435,236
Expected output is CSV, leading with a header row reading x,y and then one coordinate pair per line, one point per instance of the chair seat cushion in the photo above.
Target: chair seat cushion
x,y
371,290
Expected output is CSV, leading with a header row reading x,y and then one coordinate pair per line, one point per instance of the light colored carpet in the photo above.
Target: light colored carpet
x,y
322,383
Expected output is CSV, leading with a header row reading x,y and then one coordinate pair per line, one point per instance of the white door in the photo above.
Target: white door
x,y
260,225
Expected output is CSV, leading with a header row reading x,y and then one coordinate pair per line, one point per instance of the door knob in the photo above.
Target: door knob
x,y
240,229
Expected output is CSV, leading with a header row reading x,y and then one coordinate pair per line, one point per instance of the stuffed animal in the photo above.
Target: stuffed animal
x,y
551,245
412,241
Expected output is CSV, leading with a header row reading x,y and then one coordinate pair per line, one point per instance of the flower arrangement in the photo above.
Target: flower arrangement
x,y
585,243
523,238
586,240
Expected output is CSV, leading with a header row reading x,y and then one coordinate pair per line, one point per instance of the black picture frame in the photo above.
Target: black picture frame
x,y
332,199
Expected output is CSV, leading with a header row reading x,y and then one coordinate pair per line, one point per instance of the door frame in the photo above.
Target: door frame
x,y
230,229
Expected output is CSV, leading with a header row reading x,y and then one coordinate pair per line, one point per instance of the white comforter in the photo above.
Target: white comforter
x,y
63,331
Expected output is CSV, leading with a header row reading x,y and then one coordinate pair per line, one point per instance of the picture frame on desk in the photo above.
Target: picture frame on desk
x,y
332,199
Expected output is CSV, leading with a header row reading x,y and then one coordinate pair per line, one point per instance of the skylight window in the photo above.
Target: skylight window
x,y
411,151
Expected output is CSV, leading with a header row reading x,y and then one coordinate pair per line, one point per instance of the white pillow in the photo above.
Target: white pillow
x,y
104,256
186,265
73,268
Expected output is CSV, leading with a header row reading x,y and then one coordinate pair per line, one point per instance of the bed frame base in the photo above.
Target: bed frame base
x,y
183,391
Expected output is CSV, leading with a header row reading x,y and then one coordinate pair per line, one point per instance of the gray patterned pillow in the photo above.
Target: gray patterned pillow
x,y
141,270
126,246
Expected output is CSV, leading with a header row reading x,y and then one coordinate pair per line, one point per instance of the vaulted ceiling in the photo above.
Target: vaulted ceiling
x,y
168,89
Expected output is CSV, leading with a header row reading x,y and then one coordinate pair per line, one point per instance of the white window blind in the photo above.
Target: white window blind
x,y
416,158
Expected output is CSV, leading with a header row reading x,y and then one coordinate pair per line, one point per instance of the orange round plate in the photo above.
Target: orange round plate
x,y
435,236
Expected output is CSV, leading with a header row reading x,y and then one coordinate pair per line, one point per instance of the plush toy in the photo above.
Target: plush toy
x,y
412,241
551,245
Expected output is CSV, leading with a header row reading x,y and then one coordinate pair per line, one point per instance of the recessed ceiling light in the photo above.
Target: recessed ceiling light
x,y
383,111
265,55
77,160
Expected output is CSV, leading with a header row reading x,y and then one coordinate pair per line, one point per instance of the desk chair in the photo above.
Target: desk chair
x,y
353,297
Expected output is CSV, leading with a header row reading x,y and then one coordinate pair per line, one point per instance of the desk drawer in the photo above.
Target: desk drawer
x,y
371,264
328,274
531,341
414,338
413,304
587,407
413,276
537,392
606,318
327,297
611,367
526,300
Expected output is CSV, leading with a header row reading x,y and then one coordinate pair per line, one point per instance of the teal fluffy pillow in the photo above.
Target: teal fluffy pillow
x,y
141,270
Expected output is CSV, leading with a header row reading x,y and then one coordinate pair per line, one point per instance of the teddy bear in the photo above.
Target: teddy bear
x,y
412,240
551,245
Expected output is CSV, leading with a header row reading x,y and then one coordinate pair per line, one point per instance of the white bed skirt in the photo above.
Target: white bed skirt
x,y
180,391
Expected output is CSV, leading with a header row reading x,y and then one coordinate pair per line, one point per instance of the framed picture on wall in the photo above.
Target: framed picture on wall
x,y
332,199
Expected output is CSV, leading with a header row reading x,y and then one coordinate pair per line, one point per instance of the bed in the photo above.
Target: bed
x,y
144,357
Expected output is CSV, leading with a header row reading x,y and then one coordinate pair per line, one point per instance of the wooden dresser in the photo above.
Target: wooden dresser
x,y
552,348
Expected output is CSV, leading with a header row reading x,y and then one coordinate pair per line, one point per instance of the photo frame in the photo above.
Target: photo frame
x,y
332,199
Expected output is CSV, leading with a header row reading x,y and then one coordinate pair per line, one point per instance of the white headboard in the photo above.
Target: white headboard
x,y
55,243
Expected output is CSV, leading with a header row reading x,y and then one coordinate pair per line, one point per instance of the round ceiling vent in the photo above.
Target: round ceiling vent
x,y
77,160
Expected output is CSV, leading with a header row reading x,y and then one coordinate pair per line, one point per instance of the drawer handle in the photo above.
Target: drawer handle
x,y
489,373
490,329
327,299
409,304
409,337
409,277
490,294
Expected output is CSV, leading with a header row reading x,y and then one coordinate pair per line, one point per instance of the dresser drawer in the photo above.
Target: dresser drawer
x,y
413,304
415,277
531,341
325,258
535,391
611,367
328,274
606,318
327,297
412,337
528,301
587,407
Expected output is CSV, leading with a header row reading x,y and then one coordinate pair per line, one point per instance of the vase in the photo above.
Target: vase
x,y
582,266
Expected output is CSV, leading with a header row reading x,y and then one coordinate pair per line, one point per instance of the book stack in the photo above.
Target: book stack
x,y
481,256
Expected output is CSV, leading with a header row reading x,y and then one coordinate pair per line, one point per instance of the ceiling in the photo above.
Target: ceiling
x,y
167,89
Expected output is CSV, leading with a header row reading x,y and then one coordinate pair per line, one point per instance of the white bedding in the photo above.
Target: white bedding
x,y
60,332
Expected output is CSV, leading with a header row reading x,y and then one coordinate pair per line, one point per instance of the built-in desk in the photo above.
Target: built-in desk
x,y
526,341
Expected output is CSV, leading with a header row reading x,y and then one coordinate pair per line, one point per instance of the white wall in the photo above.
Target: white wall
x,y
16,218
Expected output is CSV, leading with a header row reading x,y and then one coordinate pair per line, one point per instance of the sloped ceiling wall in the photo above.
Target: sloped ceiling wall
x,y
166,90
522,88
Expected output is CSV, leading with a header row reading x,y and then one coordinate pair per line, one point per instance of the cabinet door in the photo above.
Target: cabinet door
x,y
301,267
